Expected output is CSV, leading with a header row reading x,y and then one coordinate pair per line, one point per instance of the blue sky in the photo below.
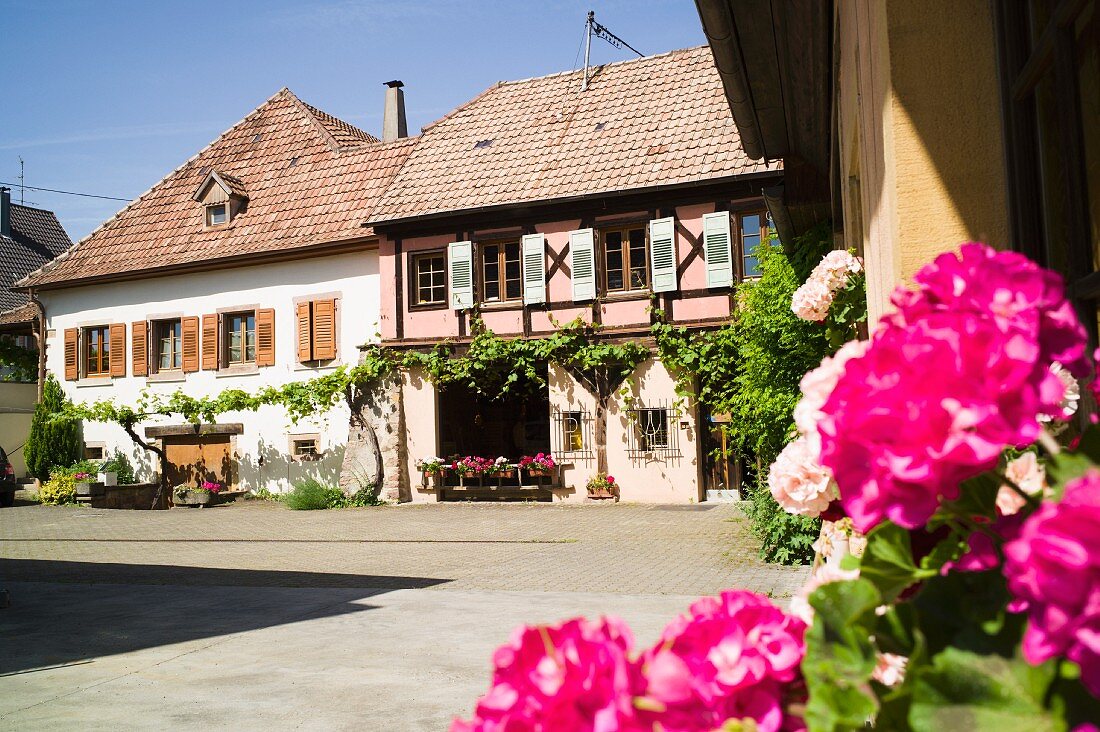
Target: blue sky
x,y
108,96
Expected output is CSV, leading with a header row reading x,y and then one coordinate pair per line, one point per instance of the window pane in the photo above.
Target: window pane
x,y
513,279
637,259
750,225
613,246
571,424
250,339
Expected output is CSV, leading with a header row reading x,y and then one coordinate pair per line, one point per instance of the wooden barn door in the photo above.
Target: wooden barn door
x,y
194,458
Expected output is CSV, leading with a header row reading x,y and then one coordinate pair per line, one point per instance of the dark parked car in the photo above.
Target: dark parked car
x,y
7,481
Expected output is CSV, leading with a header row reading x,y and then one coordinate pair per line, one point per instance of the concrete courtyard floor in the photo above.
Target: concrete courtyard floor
x,y
251,616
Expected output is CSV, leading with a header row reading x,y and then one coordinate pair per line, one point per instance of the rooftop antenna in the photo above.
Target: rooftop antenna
x,y
21,190
592,28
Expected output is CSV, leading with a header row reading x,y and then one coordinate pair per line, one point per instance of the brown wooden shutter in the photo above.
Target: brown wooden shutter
x,y
324,330
305,333
72,354
210,342
265,337
190,331
118,349
139,347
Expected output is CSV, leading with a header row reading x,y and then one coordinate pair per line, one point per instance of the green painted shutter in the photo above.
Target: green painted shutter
x,y
582,262
662,254
717,249
460,264
534,269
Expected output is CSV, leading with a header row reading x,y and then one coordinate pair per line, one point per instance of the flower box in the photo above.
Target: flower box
x,y
193,497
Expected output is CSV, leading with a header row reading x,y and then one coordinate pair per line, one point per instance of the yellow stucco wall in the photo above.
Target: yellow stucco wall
x,y
920,133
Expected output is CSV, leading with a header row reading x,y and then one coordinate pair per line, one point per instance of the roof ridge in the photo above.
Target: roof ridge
x,y
604,66
505,82
33,208
459,108
324,119
284,92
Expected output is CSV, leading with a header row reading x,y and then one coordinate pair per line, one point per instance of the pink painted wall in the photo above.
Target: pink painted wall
x,y
691,303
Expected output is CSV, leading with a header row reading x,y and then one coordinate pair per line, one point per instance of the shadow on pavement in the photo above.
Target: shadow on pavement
x,y
66,613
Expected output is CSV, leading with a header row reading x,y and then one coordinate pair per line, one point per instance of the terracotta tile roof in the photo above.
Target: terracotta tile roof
x,y
309,179
25,313
658,120
36,238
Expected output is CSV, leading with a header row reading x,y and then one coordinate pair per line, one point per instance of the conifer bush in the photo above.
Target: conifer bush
x,y
54,439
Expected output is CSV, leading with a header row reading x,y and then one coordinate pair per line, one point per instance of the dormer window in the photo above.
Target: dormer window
x,y
222,198
217,215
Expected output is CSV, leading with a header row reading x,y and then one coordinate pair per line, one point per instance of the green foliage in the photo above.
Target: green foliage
x,y
263,494
59,489
804,252
120,464
840,656
784,537
964,669
17,363
312,495
54,438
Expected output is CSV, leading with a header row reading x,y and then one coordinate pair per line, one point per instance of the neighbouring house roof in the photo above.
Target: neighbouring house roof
x,y
655,121
36,238
309,179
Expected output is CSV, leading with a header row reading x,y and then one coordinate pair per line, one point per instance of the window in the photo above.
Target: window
x,y
430,271
753,229
316,330
652,429
97,351
217,214
93,451
655,430
572,437
500,271
1050,92
305,447
168,342
240,338
626,261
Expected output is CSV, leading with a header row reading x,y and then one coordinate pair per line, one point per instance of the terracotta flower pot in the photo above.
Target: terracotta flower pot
x,y
538,472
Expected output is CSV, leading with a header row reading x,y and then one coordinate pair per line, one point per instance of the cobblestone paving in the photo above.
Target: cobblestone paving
x,y
622,549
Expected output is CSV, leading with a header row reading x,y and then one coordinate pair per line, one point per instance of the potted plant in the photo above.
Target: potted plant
x,y
501,468
472,466
85,483
430,466
202,495
602,486
538,466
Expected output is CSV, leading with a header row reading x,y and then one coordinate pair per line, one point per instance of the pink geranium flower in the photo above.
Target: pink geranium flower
x,y
798,483
572,676
1053,570
930,404
730,657
1020,296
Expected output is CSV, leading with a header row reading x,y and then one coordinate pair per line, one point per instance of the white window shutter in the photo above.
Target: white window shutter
x,y
582,262
662,254
534,269
460,264
718,249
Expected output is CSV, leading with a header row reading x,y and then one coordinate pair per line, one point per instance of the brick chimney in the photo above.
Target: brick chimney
x,y
393,118
5,211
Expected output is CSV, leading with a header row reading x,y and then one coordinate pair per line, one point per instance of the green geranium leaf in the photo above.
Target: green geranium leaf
x,y
968,691
840,656
888,561
977,496
1065,466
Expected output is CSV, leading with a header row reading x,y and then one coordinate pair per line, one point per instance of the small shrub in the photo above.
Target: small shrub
x,y
120,464
363,497
311,495
59,489
784,537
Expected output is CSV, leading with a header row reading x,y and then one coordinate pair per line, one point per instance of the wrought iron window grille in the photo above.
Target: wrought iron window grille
x,y
572,433
655,430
